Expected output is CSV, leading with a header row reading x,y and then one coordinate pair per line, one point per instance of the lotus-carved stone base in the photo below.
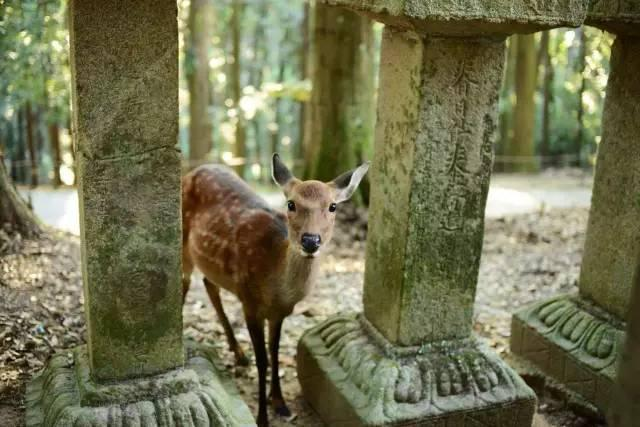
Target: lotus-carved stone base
x,y
352,376
572,341
63,395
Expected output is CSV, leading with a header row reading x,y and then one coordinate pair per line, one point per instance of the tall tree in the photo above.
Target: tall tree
x,y
507,101
259,124
581,66
342,116
56,152
521,147
305,70
240,144
31,144
547,97
200,28
276,129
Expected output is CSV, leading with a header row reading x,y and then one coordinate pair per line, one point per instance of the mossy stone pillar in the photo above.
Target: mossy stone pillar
x,y
125,109
134,369
577,339
411,357
613,231
437,109
625,407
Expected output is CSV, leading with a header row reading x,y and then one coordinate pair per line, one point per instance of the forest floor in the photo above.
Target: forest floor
x,y
525,258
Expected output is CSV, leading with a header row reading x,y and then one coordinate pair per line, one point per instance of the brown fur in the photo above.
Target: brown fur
x,y
240,244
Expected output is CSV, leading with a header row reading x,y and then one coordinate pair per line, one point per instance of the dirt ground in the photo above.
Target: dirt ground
x,y
525,258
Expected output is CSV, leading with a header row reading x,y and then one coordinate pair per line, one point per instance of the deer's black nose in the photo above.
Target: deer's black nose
x,y
310,242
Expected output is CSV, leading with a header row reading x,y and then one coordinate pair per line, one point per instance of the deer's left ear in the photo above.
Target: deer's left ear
x,y
347,183
281,174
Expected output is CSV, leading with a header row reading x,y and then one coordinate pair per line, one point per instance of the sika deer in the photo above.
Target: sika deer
x,y
266,258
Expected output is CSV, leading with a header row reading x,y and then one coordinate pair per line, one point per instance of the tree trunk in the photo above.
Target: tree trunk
x,y
521,147
305,65
547,98
31,146
71,130
506,103
256,76
15,216
18,171
342,101
580,107
54,140
240,148
200,28
276,129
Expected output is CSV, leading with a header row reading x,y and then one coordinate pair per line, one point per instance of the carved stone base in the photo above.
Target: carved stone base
x,y
352,376
196,395
573,342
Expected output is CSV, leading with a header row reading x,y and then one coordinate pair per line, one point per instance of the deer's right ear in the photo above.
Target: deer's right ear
x,y
281,174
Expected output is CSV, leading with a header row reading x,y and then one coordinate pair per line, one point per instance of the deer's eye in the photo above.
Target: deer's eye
x,y
333,207
291,206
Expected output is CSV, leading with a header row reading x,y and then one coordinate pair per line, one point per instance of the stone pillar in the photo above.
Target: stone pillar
x,y
438,99
577,339
625,408
613,232
411,357
133,371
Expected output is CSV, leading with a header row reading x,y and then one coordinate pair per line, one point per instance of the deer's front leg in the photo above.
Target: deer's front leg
x,y
256,331
277,401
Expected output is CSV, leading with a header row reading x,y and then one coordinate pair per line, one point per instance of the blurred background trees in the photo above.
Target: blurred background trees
x,y
259,76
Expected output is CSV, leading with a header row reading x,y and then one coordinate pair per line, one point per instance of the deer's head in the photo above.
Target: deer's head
x,y
312,205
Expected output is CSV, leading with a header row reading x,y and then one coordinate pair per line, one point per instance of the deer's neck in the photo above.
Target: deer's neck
x,y
299,274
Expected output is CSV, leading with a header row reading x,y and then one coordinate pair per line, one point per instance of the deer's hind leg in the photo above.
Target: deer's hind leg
x,y
214,295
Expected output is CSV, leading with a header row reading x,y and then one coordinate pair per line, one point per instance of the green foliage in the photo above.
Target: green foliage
x,y
271,79
34,68
34,57
567,134
568,79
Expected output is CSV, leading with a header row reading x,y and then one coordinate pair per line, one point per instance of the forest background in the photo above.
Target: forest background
x,y
295,77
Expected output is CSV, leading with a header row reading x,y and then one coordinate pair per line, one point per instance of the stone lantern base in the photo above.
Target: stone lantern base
x,y
196,395
572,341
352,376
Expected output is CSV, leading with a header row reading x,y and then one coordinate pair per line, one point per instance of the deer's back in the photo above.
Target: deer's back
x,y
231,233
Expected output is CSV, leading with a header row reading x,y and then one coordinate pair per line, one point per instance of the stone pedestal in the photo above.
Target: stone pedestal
x,y
197,394
124,61
577,339
573,341
411,358
353,376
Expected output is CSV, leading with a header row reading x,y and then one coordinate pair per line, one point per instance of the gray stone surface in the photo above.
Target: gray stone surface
x,y
574,342
199,394
133,371
616,16
352,376
625,409
124,60
437,108
463,17
613,232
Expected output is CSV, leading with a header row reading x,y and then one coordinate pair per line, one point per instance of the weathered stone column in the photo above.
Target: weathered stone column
x,y
577,339
133,371
412,357
625,407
